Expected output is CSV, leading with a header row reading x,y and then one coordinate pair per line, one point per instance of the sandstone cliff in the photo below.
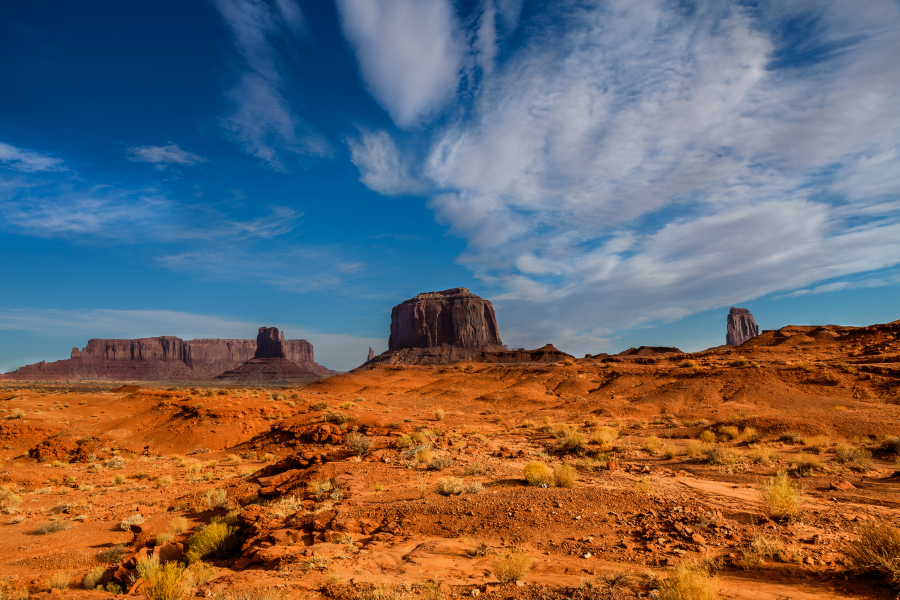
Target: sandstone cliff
x,y
164,358
441,327
741,327
269,362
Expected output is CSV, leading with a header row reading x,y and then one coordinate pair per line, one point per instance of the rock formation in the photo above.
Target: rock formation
x,y
164,358
545,354
741,327
269,362
371,354
441,327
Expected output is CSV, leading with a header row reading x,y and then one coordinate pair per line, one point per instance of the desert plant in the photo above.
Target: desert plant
x,y
805,464
688,363
693,448
604,437
891,445
163,538
163,482
202,572
538,474
708,437
751,435
729,432
319,489
644,485
267,457
817,442
440,463
424,455
16,413
214,540
147,566
319,406
93,578
178,525
763,456
450,486
358,443
126,523
571,438
852,457
791,437
216,499
565,476
58,581
438,414
689,581
476,467
336,416
50,527
118,479
113,554
475,488
171,582
651,444
876,550
513,566
781,497
739,362
805,366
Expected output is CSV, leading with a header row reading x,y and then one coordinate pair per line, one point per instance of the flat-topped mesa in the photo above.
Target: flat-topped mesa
x,y
269,344
455,317
741,327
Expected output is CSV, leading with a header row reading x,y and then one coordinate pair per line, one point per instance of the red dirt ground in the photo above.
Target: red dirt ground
x,y
383,530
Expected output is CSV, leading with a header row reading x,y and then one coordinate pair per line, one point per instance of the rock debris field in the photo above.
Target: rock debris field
x,y
755,470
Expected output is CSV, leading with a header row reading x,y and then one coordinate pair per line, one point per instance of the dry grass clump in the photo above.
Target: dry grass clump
x,y
50,527
178,525
781,497
112,554
16,413
9,501
852,457
791,437
763,456
93,578
604,437
651,444
739,362
565,476
164,481
689,581
336,416
538,474
876,550
805,464
358,443
805,366
891,445
438,414
58,581
513,566
817,442
693,449
751,435
214,540
450,486
319,489
570,437
147,566
172,581
729,432
763,548
708,437
688,363
216,499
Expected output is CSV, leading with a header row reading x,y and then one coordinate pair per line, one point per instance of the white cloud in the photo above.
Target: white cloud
x,y
262,120
163,155
410,53
334,350
380,164
634,162
28,161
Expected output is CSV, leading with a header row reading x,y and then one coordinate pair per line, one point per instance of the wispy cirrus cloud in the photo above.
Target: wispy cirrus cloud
x,y
162,156
632,162
261,119
28,161
381,165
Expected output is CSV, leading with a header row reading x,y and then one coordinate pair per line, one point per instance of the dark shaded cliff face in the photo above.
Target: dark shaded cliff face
x,y
455,317
269,344
741,327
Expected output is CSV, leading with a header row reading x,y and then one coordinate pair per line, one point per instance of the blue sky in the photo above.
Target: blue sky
x,y
609,174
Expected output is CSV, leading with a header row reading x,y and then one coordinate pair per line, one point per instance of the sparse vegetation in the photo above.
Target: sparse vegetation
x,y
781,497
51,527
178,525
805,464
172,581
513,566
689,581
214,540
450,486
876,549
216,499
708,437
565,476
358,443
538,474
817,443
93,578
651,444
438,414
58,581
16,413
852,457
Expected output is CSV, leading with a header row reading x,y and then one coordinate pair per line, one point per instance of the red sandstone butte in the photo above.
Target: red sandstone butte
x,y
164,358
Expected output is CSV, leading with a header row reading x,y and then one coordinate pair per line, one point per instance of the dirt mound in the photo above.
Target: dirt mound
x,y
270,370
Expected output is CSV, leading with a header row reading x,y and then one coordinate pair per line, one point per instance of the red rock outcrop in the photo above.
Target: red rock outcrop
x,y
269,344
269,362
164,358
545,354
441,327
741,327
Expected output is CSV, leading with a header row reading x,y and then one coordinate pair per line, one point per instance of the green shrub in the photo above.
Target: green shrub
x,y
215,540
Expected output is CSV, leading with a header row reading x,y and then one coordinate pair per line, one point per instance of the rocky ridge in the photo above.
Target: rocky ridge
x,y
741,327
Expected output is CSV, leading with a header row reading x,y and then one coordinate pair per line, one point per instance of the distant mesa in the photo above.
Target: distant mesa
x,y
741,327
449,326
165,358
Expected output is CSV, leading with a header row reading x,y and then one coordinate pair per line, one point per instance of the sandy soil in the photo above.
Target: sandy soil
x,y
86,457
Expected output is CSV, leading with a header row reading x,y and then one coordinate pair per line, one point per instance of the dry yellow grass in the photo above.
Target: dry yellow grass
x,y
781,496
537,473
513,566
689,581
876,550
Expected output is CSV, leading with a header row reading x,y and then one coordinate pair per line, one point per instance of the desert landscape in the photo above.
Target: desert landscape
x,y
451,466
